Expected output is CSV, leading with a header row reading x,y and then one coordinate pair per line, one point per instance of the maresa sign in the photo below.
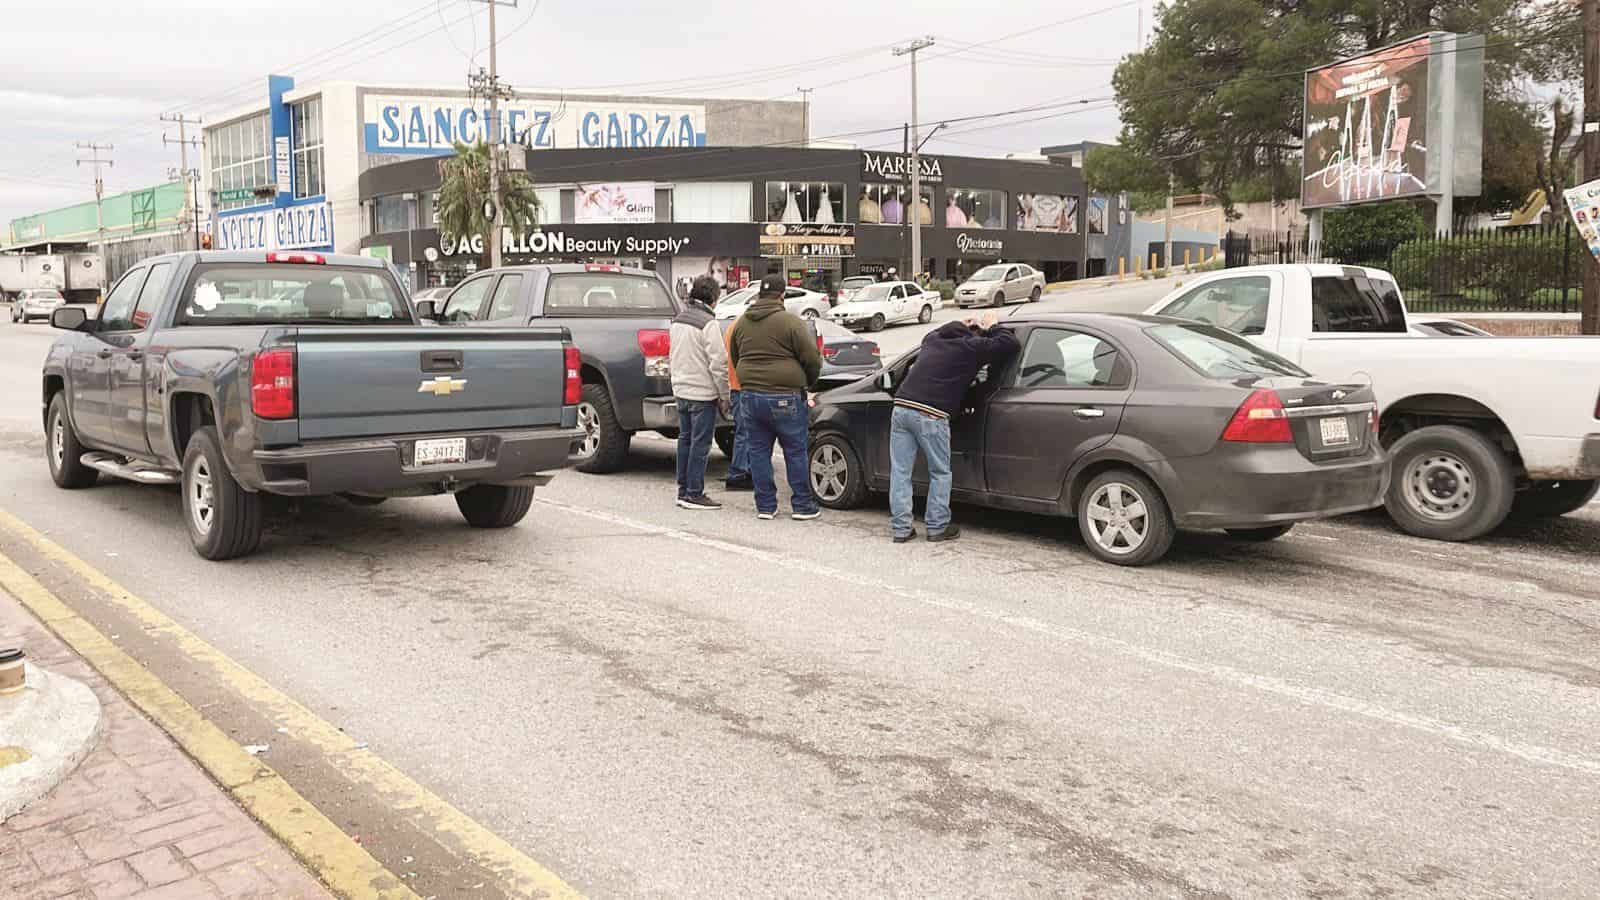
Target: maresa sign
x,y
288,228
429,126
897,167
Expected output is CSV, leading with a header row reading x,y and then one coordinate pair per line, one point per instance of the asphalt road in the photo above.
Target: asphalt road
x,y
659,703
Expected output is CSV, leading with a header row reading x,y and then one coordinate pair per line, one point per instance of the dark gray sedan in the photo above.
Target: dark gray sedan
x,y
1136,426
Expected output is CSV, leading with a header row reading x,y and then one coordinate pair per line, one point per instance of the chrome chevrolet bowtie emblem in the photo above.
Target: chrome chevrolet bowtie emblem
x,y
443,386
1338,395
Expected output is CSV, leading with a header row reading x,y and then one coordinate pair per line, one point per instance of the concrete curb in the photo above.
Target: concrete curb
x,y
45,732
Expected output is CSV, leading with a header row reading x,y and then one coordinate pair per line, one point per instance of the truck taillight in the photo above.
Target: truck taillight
x,y
272,384
656,345
574,387
1260,419
315,259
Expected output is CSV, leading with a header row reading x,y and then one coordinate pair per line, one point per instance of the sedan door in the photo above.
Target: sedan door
x,y
1066,399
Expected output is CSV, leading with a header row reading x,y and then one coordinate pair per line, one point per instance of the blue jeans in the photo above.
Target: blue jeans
x,y
697,420
739,465
780,418
909,432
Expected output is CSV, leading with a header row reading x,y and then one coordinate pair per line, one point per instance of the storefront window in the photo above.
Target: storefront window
x,y
306,119
974,208
427,212
240,156
1047,212
794,202
887,204
711,201
393,214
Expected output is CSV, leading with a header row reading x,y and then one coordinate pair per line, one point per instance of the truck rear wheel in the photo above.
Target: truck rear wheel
x,y
1449,483
604,446
62,449
224,519
494,505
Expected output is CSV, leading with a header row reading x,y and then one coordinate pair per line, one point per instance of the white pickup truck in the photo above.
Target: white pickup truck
x,y
1478,429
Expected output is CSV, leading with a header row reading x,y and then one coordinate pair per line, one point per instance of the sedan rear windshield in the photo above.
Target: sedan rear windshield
x,y
855,284
291,294
989,273
873,292
1221,354
43,295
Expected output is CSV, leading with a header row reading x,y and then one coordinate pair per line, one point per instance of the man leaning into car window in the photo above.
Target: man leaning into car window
x,y
923,406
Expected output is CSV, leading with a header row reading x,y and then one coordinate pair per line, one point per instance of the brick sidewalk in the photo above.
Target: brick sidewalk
x,y
138,818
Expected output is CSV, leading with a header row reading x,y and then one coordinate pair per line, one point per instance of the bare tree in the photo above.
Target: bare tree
x,y
1555,165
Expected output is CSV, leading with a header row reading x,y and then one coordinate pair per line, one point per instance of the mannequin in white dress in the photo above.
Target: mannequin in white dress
x,y
791,212
824,208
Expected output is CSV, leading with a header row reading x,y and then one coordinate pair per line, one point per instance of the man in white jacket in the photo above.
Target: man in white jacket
x,y
700,386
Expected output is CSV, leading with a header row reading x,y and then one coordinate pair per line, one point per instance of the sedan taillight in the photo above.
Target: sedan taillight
x,y
1260,419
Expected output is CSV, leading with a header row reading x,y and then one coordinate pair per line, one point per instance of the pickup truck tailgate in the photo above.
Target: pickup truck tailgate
x,y
360,382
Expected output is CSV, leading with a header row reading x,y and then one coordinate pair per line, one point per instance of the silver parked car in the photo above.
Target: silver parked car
x,y
1000,284
35,303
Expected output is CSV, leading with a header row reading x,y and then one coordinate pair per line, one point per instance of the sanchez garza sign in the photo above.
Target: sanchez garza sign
x,y
557,243
289,228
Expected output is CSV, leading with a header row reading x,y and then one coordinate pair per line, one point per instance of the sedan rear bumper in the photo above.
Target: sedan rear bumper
x,y
385,466
1250,486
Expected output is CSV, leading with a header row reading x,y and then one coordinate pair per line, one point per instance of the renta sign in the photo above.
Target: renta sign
x,y
430,126
559,243
305,227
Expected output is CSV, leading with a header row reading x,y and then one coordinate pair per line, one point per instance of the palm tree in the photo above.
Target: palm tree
x,y
464,186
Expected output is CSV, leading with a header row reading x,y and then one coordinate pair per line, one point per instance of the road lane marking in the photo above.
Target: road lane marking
x,y
1264,683
341,863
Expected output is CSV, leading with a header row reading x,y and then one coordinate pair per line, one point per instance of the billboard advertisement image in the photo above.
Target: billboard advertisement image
x,y
1367,126
621,203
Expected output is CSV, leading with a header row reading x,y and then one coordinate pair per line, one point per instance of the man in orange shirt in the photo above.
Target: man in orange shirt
x,y
739,466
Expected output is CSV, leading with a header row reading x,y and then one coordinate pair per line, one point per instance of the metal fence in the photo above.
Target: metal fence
x,y
1535,268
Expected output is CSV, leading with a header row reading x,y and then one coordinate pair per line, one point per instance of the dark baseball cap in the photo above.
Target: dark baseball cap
x,y
773,285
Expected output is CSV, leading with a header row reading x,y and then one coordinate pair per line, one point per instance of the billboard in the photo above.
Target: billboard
x,y
1403,121
619,203
425,125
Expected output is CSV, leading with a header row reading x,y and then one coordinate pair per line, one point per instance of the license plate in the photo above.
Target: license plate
x,y
1335,431
441,450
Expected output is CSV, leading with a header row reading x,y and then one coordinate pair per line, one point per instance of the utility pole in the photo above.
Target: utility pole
x,y
1591,151
191,177
805,115
1166,250
916,154
100,188
496,91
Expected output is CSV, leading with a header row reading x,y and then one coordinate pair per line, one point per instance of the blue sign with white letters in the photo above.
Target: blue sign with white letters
x,y
431,126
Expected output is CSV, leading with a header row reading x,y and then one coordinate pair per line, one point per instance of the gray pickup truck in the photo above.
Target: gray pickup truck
x,y
238,374
619,318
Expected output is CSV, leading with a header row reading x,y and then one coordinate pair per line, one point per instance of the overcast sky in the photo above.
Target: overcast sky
x,y
72,70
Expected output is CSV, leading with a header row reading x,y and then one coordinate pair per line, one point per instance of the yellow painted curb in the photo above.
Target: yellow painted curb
x,y
331,854
316,840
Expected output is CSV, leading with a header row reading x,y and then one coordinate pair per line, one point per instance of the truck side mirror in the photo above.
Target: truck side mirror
x,y
69,318
426,310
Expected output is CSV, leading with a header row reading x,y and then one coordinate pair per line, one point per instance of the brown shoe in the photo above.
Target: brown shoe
x,y
950,533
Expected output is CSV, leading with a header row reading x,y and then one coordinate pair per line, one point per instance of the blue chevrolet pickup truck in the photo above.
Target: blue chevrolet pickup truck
x,y
238,374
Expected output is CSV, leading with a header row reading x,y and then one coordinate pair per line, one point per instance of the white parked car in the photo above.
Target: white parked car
x,y
1427,326
1476,430
886,303
1000,284
803,303
35,303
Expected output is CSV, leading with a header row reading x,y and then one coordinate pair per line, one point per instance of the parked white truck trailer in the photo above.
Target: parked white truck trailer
x,y
80,276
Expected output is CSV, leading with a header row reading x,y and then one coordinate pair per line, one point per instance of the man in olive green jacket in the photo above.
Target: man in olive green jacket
x,y
776,359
